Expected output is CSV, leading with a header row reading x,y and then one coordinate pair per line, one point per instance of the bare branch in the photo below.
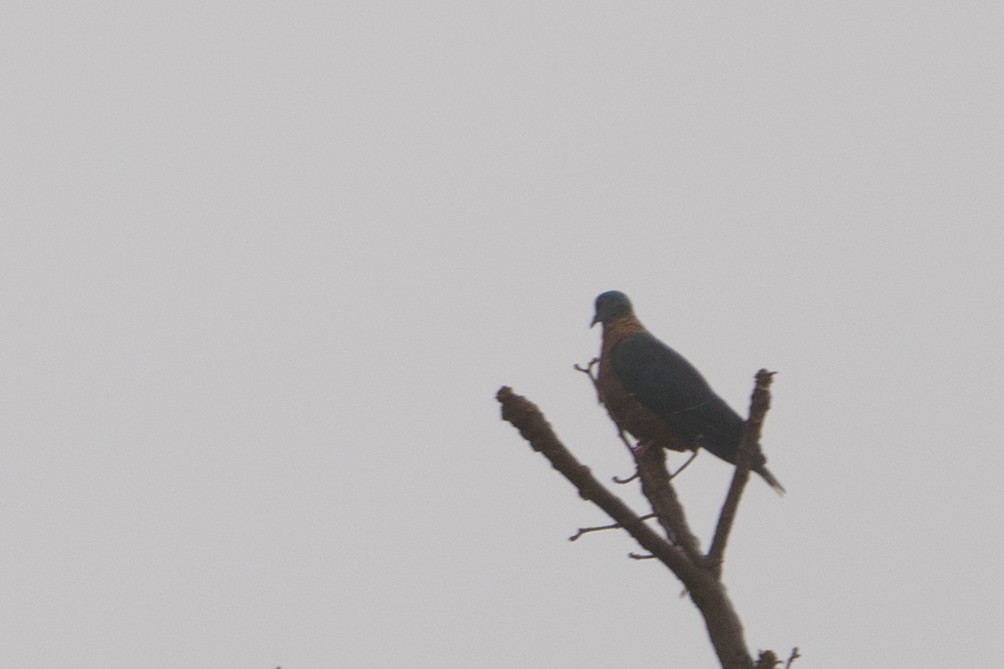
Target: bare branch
x,y
526,417
656,487
794,656
759,404
723,624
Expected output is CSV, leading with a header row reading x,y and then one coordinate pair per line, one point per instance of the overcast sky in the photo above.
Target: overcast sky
x,y
264,265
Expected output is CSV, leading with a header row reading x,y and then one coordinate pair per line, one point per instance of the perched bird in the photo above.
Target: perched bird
x,y
652,392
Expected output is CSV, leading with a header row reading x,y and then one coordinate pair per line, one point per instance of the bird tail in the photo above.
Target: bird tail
x,y
769,478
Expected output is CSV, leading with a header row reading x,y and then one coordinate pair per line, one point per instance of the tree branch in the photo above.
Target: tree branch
x,y
526,417
708,594
759,404
656,487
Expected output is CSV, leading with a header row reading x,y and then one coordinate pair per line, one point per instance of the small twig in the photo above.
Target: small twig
x,y
637,556
632,450
693,454
615,526
586,530
625,441
588,371
794,656
759,404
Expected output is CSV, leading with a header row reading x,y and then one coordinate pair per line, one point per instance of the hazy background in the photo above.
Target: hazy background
x,y
264,266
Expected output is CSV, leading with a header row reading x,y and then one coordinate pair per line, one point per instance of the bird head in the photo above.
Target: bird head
x,y
610,305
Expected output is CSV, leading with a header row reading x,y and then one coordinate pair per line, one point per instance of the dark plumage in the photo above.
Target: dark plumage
x,y
652,392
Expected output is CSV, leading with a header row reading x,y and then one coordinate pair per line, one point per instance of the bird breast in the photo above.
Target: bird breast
x,y
624,408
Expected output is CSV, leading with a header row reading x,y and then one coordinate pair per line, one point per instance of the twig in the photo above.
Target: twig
x,y
632,450
638,556
794,656
625,441
588,371
614,526
759,404
586,530
693,454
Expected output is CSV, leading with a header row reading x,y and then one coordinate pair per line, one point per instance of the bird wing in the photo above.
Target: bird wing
x,y
665,383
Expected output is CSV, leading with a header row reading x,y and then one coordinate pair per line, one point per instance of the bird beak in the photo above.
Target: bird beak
x,y
596,319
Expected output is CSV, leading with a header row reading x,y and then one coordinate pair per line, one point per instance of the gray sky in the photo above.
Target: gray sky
x,y
264,266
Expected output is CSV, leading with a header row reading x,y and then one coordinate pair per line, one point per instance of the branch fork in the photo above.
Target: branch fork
x,y
678,549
